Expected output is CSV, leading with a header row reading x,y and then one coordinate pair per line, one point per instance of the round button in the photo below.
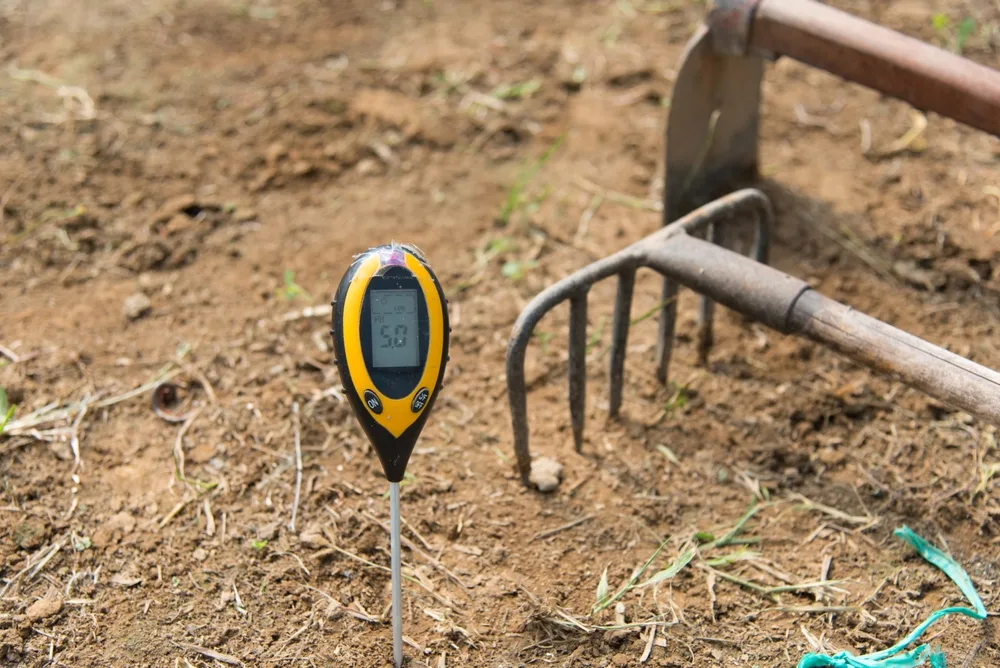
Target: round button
x,y
420,400
373,402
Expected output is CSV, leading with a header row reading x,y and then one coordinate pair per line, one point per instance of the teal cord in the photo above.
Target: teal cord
x,y
895,657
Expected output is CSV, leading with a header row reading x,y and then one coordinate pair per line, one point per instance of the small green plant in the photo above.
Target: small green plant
x,y
258,544
543,339
651,312
605,599
494,247
6,410
741,554
451,82
595,337
253,11
954,36
515,270
602,588
609,36
678,399
516,194
292,290
517,91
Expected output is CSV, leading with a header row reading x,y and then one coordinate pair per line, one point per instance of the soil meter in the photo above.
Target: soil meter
x,y
390,337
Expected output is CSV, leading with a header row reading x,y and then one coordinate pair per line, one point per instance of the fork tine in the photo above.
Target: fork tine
x,y
668,321
577,364
619,337
706,316
762,236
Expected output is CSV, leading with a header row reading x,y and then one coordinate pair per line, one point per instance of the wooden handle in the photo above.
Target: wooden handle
x,y
949,378
788,305
929,78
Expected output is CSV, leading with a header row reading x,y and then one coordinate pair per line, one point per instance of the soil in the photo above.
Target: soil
x,y
225,160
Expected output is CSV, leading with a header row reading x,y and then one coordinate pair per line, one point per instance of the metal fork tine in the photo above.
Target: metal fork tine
x,y
619,338
577,364
668,322
761,237
706,315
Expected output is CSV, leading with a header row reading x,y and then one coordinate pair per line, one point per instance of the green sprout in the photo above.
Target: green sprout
x,y
291,290
678,399
6,410
958,35
516,269
594,339
543,339
516,195
517,91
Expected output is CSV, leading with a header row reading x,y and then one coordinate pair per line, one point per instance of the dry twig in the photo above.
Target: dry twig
x,y
298,463
211,654
552,532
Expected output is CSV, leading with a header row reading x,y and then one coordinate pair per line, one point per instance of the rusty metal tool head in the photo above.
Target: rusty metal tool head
x,y
746,285
714,117
712,125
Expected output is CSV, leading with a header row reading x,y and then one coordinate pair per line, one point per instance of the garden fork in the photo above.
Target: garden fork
x,y
746,285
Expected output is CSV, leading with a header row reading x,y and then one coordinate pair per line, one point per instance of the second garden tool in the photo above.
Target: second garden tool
x,y
746,285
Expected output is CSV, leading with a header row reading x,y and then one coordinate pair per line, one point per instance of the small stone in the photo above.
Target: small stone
x,y
312,536
368,166
546,473
200,554
118,525
302,168
263,179
178,224
147,283
830,456
244,215
201,453
125,580
334,610
620,660
30,534
174,205
275,152
43,608
268,531
121,521
133,200
912,273
137,306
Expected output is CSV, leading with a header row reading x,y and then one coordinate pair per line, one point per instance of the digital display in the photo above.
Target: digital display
x,y
394,328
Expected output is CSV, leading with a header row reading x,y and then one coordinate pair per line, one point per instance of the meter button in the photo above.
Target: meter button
x,y
373,402
420,400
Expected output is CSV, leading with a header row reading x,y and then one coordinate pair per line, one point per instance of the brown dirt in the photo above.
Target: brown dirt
x,y
234,141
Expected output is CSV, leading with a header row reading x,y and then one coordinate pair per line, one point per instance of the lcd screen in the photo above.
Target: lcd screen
x,y
395,332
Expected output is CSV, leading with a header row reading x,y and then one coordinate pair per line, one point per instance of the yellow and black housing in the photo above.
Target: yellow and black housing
x,y
391,402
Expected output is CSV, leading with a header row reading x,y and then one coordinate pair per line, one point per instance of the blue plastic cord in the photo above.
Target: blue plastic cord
x,y
895,657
